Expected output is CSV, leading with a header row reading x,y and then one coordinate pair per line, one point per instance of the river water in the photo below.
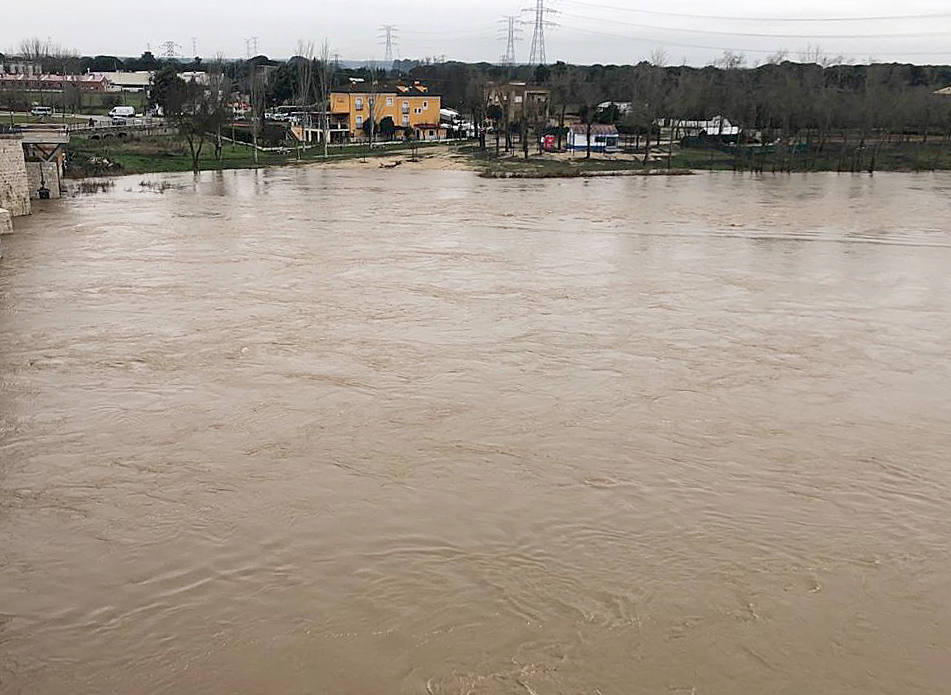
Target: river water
x,y
316,431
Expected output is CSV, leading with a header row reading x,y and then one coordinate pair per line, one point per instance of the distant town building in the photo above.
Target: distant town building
x,y
519,101
410,106
135,81
89,82
604,138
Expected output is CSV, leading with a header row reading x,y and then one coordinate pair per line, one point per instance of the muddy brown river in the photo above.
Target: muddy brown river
x,y
365,432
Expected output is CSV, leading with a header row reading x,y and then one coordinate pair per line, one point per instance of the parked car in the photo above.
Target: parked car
x,y
41,111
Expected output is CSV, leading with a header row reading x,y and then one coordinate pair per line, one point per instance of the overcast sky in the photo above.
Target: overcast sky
x,y
588,31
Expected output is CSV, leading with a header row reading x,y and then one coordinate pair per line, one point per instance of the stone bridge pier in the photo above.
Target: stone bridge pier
x,y
14,184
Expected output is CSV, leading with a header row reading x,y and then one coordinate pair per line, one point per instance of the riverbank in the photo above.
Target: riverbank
x,y
166,153
839,157
163,154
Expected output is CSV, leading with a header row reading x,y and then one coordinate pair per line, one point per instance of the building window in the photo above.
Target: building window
x,y
417,111
405,119
389,101
431,133
358,104
425,104
405,107
359,121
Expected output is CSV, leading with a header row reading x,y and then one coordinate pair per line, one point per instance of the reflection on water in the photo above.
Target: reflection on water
x,y
312,431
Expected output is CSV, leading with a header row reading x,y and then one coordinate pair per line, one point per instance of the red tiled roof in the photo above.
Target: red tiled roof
x,y
88,77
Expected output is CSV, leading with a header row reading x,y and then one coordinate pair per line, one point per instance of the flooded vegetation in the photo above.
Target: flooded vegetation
x,y
340,431
91,186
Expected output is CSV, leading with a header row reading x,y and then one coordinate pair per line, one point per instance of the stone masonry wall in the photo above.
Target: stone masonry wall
x,y
14,189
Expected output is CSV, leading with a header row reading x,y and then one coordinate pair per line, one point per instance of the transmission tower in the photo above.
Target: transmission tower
x,y
388,37
251,46
511,25
538,35
194,46
169,49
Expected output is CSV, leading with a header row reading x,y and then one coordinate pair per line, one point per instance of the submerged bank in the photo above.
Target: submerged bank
x,y
580,173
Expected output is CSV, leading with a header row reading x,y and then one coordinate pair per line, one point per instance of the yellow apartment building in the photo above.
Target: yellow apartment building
x,y
410,106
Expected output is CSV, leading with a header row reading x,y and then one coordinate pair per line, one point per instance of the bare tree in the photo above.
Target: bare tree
x,y
34,49
373,99
304,82
256,84
325,75
475,99
658,58
815,54
198,110
587,98
647,101
777,58
219,87
730,61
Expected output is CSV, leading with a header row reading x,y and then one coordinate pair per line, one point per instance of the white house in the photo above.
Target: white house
x,y
604,138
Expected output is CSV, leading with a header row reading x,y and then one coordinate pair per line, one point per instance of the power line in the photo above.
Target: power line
x,y
170,49
713,32
387,39
512,31
748,18
644,39
538,34
479,30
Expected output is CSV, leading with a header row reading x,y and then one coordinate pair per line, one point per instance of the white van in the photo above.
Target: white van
x,y
122,111
42,111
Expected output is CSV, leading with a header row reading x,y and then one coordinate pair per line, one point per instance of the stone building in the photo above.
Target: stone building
x,y
519,101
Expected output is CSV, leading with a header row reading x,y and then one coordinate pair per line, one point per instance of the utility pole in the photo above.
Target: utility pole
x,y
512,30
538,35
388,37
